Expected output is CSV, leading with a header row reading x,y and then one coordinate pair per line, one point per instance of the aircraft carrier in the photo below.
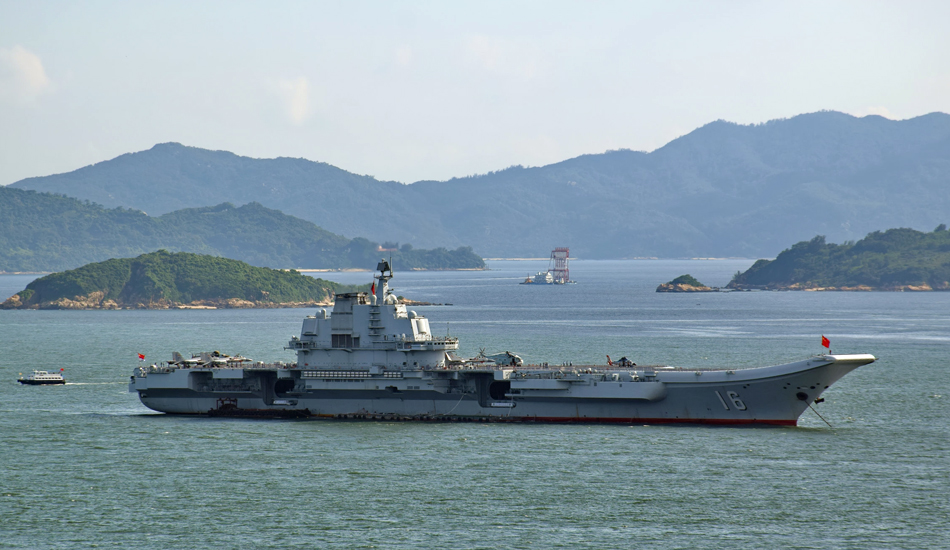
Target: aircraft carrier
x,y
371,358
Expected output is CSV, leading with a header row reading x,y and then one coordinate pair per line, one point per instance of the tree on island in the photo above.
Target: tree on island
x,y
163,279
686,280
896,259
684,283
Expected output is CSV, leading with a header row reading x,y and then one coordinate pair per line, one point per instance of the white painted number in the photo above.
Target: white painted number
x,y
735,400
734,397
721,400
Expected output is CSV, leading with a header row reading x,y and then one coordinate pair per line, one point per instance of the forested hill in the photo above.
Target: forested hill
x,y
162,279
722,190
45,232
897,259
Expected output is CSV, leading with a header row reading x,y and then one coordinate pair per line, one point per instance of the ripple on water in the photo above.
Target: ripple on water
x,y
127,477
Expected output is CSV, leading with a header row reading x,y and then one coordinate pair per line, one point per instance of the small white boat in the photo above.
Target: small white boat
x,y
542,278
42,378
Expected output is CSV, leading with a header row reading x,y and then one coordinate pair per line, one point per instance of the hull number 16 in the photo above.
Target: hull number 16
x,y
733,398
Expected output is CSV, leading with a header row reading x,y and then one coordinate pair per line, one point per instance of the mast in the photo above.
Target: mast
x,y
380,290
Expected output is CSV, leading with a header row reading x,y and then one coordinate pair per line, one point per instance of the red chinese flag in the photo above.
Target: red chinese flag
x,y
825,342
141,357
372,289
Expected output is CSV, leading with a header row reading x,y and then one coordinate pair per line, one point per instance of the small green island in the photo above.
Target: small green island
x,y
685,283
165,280
894,260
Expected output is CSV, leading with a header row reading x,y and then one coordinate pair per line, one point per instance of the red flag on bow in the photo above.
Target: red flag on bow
x,y
825,342
141,357
372,289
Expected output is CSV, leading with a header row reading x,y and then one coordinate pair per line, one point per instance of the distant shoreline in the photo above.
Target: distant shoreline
x,y
300,270
338,270
858,288
232,303
610,259
517,259
361,270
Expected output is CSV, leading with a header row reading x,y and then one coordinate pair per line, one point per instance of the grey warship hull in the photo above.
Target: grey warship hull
x,y
775,395
373,359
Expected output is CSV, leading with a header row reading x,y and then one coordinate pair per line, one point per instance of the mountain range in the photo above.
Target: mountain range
x,y
723,190
46,232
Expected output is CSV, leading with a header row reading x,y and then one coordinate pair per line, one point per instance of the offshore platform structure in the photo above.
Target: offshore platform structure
x,y
557,274
561,273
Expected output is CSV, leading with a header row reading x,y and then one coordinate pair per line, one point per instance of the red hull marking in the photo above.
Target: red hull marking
x,y
714,421
296,413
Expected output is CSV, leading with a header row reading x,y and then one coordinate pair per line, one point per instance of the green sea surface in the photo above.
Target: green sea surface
x,y
85,465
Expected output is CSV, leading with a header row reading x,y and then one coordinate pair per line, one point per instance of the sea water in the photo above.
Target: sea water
x,y
85,465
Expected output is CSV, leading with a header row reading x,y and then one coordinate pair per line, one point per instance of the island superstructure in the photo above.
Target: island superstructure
x,y
372,358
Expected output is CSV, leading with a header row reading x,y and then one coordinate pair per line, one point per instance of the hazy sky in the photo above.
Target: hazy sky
x,y
431,90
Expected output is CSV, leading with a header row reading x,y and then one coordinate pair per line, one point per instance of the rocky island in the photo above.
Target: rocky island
x,y
164,280
685,283
895,260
